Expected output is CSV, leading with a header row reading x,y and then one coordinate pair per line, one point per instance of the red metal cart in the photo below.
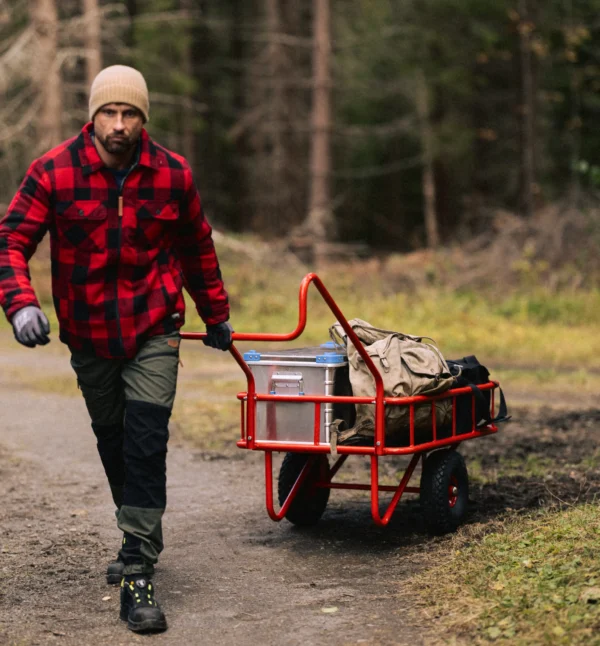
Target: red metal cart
x,y
306,477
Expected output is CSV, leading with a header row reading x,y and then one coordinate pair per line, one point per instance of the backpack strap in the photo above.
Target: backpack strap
x,y
502,416
336,335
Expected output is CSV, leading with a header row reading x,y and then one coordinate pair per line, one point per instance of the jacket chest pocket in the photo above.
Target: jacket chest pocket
x,y
155,220
82,225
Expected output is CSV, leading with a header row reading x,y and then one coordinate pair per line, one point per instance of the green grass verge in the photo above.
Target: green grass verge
x,y
524,327
544,379
536,581
57,384
533,466
208,417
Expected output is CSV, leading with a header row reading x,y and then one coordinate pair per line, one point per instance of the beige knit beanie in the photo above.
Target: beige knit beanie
x,y
119,84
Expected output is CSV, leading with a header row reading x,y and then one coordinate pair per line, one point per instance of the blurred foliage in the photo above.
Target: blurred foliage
x,y
216,71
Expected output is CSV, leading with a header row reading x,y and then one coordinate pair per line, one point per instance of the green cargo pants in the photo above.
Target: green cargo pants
x,y
130,402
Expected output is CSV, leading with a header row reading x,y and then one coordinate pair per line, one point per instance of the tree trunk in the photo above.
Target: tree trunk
x,y
277,114
129,35
527,112
321,222
189,117
427,146
45,18
240,215
205,70
93,40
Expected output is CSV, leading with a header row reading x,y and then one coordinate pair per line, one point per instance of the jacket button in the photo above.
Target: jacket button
x,y
81,212
157,211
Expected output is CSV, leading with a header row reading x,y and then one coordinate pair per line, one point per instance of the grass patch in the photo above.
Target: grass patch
x,y
524,327
56,384
208,415
532,466
538,327
592,461
210,424
542,306
549,379
536,581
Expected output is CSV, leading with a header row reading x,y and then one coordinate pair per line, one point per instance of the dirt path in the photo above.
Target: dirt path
x,y
229,575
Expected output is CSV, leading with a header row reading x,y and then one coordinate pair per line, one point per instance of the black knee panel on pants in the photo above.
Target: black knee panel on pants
x,y
145,452
110,448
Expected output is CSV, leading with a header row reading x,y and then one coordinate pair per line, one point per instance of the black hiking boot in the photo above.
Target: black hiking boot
x,y
114,572
139,608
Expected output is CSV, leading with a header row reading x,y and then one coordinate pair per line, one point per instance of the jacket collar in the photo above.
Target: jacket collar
x,y
91,161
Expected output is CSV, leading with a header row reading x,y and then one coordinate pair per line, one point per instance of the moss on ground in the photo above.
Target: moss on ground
x,y
535,580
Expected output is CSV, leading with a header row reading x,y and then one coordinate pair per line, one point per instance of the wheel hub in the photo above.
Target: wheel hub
x,y
453,492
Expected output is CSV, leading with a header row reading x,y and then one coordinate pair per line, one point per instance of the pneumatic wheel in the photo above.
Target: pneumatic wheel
x,y
310,501
444,491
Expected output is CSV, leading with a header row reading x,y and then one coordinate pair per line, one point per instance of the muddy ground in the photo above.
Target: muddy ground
x,y
229,575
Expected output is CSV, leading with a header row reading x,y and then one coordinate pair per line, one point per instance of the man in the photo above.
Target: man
x,y
127,232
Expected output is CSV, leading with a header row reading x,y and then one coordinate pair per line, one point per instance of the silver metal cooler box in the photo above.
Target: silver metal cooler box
x,y
320,370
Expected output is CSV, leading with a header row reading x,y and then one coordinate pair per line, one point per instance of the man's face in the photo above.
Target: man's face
x,y
118,127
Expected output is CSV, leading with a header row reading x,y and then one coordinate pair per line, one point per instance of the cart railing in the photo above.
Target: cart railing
x,y
317,446
302,310
250,398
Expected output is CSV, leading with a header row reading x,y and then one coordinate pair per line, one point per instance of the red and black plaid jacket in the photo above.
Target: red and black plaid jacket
x,y
119,258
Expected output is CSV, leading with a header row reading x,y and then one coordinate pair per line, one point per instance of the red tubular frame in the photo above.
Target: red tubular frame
x,y
249,399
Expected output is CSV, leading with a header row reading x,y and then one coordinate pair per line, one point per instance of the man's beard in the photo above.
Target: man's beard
x,y
116,147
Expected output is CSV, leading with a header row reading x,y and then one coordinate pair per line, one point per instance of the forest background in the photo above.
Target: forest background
x,y
381,125
438,163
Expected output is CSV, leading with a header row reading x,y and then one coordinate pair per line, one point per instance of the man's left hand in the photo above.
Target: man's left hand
x,y
219,335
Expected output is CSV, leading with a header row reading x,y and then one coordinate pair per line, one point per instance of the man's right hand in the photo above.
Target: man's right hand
x,y
218,335
31,326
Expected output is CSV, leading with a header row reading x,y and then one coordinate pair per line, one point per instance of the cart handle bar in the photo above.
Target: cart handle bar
x,y
302,298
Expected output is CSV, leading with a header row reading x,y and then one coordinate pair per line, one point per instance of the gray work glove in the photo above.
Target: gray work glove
x,y
218,336
31,326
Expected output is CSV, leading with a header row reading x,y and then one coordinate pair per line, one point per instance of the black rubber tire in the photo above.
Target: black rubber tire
x,y
442,470
310,501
